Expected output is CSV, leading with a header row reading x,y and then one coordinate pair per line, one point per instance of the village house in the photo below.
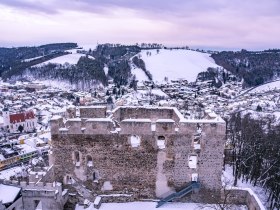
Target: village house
x,y
16,122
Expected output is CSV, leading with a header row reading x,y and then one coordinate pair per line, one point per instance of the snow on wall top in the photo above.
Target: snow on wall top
x,y
176,64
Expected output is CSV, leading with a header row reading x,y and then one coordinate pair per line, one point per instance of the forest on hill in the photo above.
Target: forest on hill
x,y
255,68
256,154
14,60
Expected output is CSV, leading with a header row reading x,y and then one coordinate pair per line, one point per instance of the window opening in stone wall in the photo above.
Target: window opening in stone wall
x,y
213,125
153,127
196,142
198,128
161,142
135,141
194,177
95,176
77,158
69,180
192,161
89,161
78,113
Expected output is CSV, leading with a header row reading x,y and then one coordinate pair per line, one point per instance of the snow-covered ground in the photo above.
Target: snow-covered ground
x,y
175,64
266,87
31,59
140,74
72,58
88,46
157,92
152,205
6,174
62,85
228,179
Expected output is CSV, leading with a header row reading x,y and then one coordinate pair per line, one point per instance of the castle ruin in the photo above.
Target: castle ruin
x,y
142,152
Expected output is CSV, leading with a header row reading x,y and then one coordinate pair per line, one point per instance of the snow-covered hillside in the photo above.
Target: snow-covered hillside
x,y
266,87
72,58
139,73
174,64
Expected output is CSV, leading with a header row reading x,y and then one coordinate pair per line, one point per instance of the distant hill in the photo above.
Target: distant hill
x,y
14,60
78,67
126,64
255,68
171,64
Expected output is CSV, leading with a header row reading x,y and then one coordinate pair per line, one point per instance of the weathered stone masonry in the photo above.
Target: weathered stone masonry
x,y
103,152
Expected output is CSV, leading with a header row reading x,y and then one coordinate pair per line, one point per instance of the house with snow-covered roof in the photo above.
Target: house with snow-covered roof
x,y
12,122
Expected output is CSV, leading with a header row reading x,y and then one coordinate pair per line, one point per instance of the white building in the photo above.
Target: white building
x,y
12,122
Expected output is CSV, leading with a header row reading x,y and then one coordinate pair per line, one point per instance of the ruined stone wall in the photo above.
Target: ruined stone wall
x,y
49,176
134,170
46,177
93,111
74,125
107,126
48,203
17,205
56,124
182,148
244,196
114,161
165,127
121,168
71,112
94,126
136,127
51,195
143,113
211,155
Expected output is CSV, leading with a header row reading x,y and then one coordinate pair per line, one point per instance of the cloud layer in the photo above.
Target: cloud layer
x,y
251,24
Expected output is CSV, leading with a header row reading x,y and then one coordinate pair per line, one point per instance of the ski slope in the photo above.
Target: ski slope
x,y
174,64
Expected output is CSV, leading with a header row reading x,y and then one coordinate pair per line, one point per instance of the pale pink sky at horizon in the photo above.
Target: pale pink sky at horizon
x,y
213,24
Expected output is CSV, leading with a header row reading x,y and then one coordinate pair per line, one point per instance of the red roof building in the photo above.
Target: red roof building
x,y
22,117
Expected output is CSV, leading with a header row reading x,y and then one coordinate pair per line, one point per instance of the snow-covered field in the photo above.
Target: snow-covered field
x,y
140,74
72,58
31,59
266,87
174,64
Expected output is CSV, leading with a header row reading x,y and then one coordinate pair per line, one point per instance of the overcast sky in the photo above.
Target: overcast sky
x,y
214,24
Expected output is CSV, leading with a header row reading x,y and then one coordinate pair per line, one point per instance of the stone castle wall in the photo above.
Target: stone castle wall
x,y
210,158
244,196
114,161
93,111
51,195
121,168
153,114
